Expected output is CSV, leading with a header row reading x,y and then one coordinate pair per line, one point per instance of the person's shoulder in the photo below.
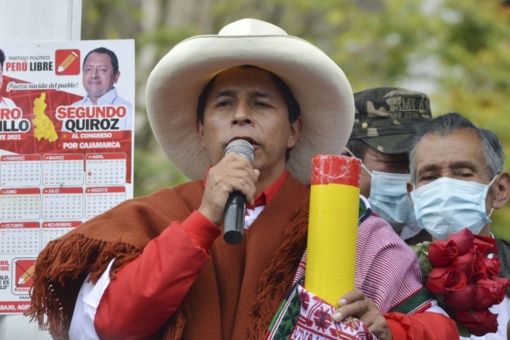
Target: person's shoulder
x,y
375,230
370,221
112,97
121,101
375,224
175,203
189,186
167,203
179,192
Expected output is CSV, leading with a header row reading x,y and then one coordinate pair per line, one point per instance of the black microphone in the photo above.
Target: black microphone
x,y
235,209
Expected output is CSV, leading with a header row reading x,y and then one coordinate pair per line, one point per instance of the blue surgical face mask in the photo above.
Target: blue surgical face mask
x,y
448,205
388,198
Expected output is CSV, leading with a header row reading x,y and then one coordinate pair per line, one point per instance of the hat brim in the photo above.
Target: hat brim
x,y
390,144
319,85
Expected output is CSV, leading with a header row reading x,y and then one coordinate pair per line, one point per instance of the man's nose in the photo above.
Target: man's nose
x,y
242,114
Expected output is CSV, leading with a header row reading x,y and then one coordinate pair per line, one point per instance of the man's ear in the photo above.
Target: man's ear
x,y
116,77
200,131
296,128
409,187
500,190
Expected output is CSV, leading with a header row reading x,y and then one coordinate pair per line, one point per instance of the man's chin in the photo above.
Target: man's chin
x,y
95,94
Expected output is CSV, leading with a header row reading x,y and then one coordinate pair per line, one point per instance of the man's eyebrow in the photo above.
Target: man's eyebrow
x,y
463,165
225,92
253,93
428,167
455,165
259,93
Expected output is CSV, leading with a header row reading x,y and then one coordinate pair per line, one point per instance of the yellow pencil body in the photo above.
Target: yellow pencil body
x,y
332,234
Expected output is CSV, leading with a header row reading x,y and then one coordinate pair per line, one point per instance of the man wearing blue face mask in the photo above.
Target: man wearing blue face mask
x,y
384,124
457,179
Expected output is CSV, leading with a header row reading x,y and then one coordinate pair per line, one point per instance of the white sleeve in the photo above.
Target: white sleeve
x,y
82,322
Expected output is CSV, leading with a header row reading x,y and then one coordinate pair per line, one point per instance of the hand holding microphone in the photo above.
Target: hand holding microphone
x,y
233,223
230,184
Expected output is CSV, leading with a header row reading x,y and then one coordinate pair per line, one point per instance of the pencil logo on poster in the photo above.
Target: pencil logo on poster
x,y
67,62
23,272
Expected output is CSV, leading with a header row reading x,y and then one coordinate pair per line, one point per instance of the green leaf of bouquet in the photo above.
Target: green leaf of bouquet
x,y
422,252
463,330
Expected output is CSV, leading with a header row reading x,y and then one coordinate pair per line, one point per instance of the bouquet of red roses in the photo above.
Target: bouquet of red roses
x,y
462,271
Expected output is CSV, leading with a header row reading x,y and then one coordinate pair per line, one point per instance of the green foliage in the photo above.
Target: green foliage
x,y
422,252
456,51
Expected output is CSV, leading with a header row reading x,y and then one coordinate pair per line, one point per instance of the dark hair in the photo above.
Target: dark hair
x,y
2,58
104,50
450,123
292,105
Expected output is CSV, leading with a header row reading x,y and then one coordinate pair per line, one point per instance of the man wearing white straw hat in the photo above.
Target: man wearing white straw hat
x,y
155,267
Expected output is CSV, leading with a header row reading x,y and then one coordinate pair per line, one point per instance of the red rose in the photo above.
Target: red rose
x,y
465,276
465,263
463,239
479,269
442,253
504,281
461,299
488,293
485,244
478,322
444,280
492,265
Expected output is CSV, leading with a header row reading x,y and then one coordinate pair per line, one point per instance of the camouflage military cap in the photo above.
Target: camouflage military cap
x,y
386,117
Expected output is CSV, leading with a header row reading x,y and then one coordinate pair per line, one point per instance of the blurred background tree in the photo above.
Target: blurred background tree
x,y
458,52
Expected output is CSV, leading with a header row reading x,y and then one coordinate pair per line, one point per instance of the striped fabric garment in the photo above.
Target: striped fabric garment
x,y
387,271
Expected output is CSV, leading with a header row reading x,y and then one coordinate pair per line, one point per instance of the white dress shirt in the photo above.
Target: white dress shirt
x,y
111,98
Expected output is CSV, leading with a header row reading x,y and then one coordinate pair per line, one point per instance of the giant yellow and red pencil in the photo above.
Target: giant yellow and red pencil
x,y
332,226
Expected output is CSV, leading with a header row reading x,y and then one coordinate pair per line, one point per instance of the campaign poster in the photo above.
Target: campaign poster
x,y
66,146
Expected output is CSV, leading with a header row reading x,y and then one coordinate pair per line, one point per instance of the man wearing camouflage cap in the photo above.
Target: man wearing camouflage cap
x,y
384,124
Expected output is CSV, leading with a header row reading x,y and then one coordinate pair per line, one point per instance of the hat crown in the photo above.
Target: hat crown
x,y
249,26
388,108
386,117
391,103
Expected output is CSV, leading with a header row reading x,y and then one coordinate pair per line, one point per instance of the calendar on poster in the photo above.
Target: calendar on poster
x,y
66,146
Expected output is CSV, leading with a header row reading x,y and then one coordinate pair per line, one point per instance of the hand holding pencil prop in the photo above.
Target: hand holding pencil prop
x,y
332,226
330,257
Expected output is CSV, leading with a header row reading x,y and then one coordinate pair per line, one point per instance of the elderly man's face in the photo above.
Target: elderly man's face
x,y
458,155
98,75
244,103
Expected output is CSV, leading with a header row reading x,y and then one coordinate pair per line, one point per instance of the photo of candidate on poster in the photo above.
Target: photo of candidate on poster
x,y
66,146
100,74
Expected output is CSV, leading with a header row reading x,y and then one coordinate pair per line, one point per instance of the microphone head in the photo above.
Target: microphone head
x,y
241,147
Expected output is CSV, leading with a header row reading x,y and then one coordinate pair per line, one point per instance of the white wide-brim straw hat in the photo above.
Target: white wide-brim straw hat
x,y
318,84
